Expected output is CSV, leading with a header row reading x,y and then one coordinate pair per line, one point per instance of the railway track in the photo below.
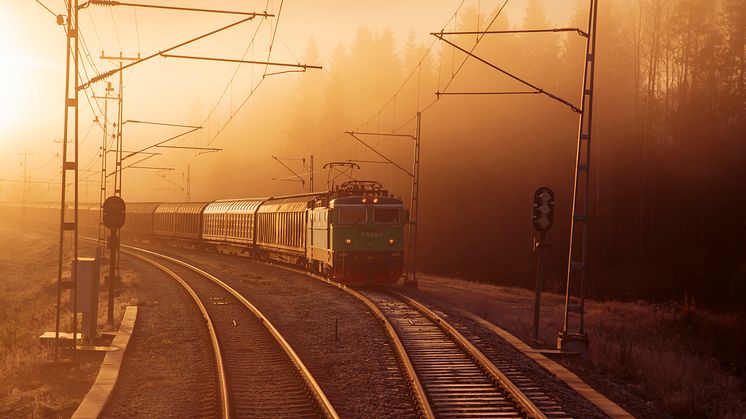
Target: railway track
x,y
448,375
458,380
259,373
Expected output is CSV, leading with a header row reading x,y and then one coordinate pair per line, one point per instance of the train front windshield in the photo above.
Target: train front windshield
x,y
386,215
353,215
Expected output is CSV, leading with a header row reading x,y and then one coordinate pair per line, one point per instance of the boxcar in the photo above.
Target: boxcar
x,y
281,228
231,222
88,217
138,222
179,220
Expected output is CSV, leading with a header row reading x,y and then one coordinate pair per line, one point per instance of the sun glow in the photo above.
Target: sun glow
x,y
12,63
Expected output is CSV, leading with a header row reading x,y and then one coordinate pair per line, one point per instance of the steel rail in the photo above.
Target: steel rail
x,y
213,334
321,400
521,399
525,403
422,401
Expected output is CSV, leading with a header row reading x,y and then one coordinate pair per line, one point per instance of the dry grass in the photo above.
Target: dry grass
x,y
682,358
674,355
31,385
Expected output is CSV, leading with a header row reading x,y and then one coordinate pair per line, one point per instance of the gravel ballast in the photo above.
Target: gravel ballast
x,y
169,367
341,343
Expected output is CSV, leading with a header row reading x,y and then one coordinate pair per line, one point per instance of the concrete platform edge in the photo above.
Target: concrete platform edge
x,y
97,397
573,381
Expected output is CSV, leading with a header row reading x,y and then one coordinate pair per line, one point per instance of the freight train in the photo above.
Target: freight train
x,y
353,234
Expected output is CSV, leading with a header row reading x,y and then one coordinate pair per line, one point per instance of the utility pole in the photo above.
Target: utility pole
x,y
310,175
104,153
69,164
300,178
113,278
120,110
189,183
25,179
411,276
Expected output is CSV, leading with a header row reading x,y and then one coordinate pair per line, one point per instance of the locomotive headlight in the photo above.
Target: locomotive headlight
x,y
365,200
391,242
348,241
375,200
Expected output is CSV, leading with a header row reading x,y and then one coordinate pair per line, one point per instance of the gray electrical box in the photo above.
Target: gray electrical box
x,y
87,290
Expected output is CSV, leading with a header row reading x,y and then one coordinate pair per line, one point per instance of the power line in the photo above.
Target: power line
x,y
230,82
182,9
95,29
116,29
454,74
137,28
416,68
274,33
47,8
233,114
230,60
160,53
479,39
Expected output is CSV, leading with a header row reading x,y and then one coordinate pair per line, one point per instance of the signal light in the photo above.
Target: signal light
x,y
375,200
391,242
543,216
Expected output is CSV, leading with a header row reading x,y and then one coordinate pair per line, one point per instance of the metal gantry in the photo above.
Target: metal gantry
x,y
70,158
577,255
576,265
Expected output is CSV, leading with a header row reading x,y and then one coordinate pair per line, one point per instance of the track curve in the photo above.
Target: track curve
x,y
264,375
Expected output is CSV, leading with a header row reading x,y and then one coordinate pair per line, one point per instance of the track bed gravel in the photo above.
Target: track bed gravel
x,y
491,344
169,367
357,368
501,352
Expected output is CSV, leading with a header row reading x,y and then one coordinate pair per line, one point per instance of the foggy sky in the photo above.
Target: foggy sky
x,y
169,90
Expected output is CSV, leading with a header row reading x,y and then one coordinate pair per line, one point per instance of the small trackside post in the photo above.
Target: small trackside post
x,y
543,218
111,279
539,246
114,215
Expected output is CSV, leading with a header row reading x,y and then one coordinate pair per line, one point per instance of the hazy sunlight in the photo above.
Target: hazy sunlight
x,y
11,70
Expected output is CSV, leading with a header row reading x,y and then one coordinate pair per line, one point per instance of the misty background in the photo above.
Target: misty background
x,y
668,204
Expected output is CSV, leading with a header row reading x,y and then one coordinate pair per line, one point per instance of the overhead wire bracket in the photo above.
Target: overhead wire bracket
x,y
537,89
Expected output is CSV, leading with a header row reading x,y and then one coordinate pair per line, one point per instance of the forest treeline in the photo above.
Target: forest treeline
x,y
667,209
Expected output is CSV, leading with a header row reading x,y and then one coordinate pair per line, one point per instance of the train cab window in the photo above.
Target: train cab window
x,y
353,215
386,216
